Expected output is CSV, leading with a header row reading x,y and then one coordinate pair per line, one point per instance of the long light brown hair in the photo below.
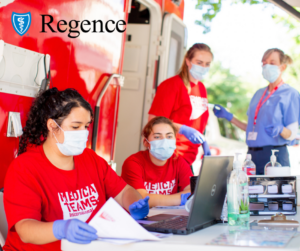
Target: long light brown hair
x,y
184,71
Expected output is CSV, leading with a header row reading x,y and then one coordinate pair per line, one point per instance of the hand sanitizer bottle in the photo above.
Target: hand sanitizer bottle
x,y
249,167
237,196
272,164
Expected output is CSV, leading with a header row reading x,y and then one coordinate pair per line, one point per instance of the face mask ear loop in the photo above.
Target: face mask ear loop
x,y
58,125
149,144
59,128
189,67
55,137
281,72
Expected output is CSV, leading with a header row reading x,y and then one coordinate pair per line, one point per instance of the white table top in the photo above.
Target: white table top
x,y
192,242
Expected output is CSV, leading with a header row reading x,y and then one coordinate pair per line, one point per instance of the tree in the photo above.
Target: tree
x,y
228,90
213,7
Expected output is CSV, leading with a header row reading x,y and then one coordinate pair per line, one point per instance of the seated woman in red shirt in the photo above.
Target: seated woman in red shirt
x,y
158,172
55,186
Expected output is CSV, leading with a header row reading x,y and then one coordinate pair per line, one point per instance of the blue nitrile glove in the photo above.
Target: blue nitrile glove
x,y
206,150
139,209
274,130
184,198
74,231
221,112
192,134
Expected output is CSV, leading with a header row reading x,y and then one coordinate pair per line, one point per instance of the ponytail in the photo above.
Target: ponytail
x,y
49,104
287,59
184,71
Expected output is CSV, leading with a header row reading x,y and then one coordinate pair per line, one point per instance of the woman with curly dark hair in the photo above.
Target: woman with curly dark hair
x,y
56,184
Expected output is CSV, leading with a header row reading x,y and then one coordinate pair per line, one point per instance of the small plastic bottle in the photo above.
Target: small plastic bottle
x,y
238,196
273,164
249,167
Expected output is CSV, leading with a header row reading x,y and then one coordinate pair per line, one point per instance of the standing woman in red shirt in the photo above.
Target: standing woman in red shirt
x,y
183,99
58,184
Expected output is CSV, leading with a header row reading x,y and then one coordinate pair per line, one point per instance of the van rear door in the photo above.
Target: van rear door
x,y
173,46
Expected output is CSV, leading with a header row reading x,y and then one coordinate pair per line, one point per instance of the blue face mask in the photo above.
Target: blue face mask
x,y
270,72
197,71
162,149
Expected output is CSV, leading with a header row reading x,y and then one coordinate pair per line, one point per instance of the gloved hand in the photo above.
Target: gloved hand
x,y
184,198
139,209
192,134
274,130
206,150
221,112
74,231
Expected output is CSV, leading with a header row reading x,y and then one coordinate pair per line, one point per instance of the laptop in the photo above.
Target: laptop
x,y
209,196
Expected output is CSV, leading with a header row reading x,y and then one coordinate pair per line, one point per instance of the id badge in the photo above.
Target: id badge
x,y
252,135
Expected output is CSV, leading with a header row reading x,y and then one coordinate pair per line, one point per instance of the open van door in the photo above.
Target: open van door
x,y
173,46
139,69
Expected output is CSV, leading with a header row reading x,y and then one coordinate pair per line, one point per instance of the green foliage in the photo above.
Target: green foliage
x,y
228,90
291,23
211,8
292,75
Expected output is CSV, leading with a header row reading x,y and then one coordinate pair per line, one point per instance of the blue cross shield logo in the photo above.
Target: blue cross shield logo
x,y
21,22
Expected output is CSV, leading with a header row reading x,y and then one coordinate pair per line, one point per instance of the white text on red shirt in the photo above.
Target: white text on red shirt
x,y
80,202
160,187
199,106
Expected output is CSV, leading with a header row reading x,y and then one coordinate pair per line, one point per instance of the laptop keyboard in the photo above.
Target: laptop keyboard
x,y
177,222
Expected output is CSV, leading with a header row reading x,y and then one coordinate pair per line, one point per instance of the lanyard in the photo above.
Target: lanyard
x,y
261,102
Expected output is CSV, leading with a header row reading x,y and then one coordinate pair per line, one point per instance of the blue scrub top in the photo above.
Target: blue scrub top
x,y
283,107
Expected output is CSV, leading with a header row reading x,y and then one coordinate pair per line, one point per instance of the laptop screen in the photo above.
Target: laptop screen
x,y
210,190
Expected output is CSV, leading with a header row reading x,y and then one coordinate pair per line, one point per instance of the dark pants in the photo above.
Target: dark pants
x,y
261,156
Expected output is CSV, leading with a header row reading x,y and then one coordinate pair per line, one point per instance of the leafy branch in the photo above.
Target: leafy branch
x,y
212,7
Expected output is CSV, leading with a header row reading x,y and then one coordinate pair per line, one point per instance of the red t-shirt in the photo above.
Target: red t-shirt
x,y
139,172
35,189
173,101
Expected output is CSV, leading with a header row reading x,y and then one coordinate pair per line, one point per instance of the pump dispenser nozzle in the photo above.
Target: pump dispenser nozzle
x,y
273,163
273,156
237,164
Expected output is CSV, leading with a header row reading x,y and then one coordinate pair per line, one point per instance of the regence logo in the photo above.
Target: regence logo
x,y
21,22
74,27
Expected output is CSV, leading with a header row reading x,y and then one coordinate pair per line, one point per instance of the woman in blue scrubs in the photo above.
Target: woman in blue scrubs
x,y
273,114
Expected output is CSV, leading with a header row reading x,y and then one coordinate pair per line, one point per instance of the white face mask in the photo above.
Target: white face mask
x,y
162,148
74,142
198,71
271,72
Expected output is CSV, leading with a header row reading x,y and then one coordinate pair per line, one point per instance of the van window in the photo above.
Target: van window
x,y
139,14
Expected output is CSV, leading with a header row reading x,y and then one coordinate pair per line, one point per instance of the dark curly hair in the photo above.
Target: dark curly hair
x,y
49,104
